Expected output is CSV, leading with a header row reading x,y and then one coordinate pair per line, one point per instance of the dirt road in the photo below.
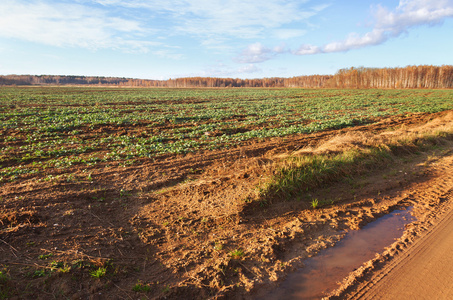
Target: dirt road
x,y
423,272
424,269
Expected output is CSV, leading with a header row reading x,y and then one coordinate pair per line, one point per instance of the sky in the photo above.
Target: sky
x,y
162,39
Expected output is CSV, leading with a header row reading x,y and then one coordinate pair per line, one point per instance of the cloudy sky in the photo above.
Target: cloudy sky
x,y
160,39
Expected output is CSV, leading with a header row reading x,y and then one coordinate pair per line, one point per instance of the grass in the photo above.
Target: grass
x,y
4,277
99,272
60,266
45,256
314,203
299,174
5,290
237,253
39,273
308,172
140,287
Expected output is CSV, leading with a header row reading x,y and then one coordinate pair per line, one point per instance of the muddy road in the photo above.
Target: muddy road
x,y
424,267
423,271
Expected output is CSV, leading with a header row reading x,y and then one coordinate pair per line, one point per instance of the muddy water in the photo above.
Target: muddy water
x,y
322,272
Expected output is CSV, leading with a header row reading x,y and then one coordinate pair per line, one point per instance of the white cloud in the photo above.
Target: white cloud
x,y
256,53
233,18
307,49
355,41
285,34
69,25
389,24
413,13
137,25
222,70
251,68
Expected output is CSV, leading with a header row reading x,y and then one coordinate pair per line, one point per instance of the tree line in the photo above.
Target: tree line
x,y
424,76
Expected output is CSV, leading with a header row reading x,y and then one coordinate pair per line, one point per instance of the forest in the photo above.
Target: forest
x,y
424,76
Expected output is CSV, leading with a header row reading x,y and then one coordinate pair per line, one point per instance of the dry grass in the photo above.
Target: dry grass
x,y
348,155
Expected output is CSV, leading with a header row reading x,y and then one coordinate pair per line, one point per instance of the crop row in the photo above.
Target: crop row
x,y
60,127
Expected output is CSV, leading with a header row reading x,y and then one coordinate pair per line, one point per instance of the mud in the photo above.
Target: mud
x,y
321,273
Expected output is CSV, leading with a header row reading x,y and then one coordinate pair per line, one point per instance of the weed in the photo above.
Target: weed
x,y
140,287
80,264
124,193
60,266
70,178
237,253
45,256
314,203
4,277
99,272
56,265
65,268
39,273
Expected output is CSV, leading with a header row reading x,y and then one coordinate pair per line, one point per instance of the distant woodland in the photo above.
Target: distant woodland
x,y
432,77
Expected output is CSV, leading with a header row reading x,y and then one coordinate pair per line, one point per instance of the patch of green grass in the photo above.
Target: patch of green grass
x,y
99,272
307,172
4,277
124,193
60,266
45,256
39,273
140,287
303,173
314,203
237,253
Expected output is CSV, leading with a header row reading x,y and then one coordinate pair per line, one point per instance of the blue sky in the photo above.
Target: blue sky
x,y
161,39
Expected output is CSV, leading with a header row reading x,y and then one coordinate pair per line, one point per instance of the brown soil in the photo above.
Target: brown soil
x,y
183,225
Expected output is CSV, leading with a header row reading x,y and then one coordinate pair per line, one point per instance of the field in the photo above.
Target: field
x,y
59,127
154,193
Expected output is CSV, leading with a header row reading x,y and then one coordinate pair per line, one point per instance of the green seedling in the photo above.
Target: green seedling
x,y
98,273
45,256
237,253
4,277
314,203
140,287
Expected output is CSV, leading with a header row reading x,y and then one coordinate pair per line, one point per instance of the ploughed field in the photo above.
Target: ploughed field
x,y
57,128
121,193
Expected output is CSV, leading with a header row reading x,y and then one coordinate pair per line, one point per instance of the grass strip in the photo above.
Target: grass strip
x,y
297,174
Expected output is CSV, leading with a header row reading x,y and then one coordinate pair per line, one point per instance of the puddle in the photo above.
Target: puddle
x,y
322,272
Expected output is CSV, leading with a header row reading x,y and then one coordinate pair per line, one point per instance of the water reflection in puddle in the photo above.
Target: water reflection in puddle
x,y
322,272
